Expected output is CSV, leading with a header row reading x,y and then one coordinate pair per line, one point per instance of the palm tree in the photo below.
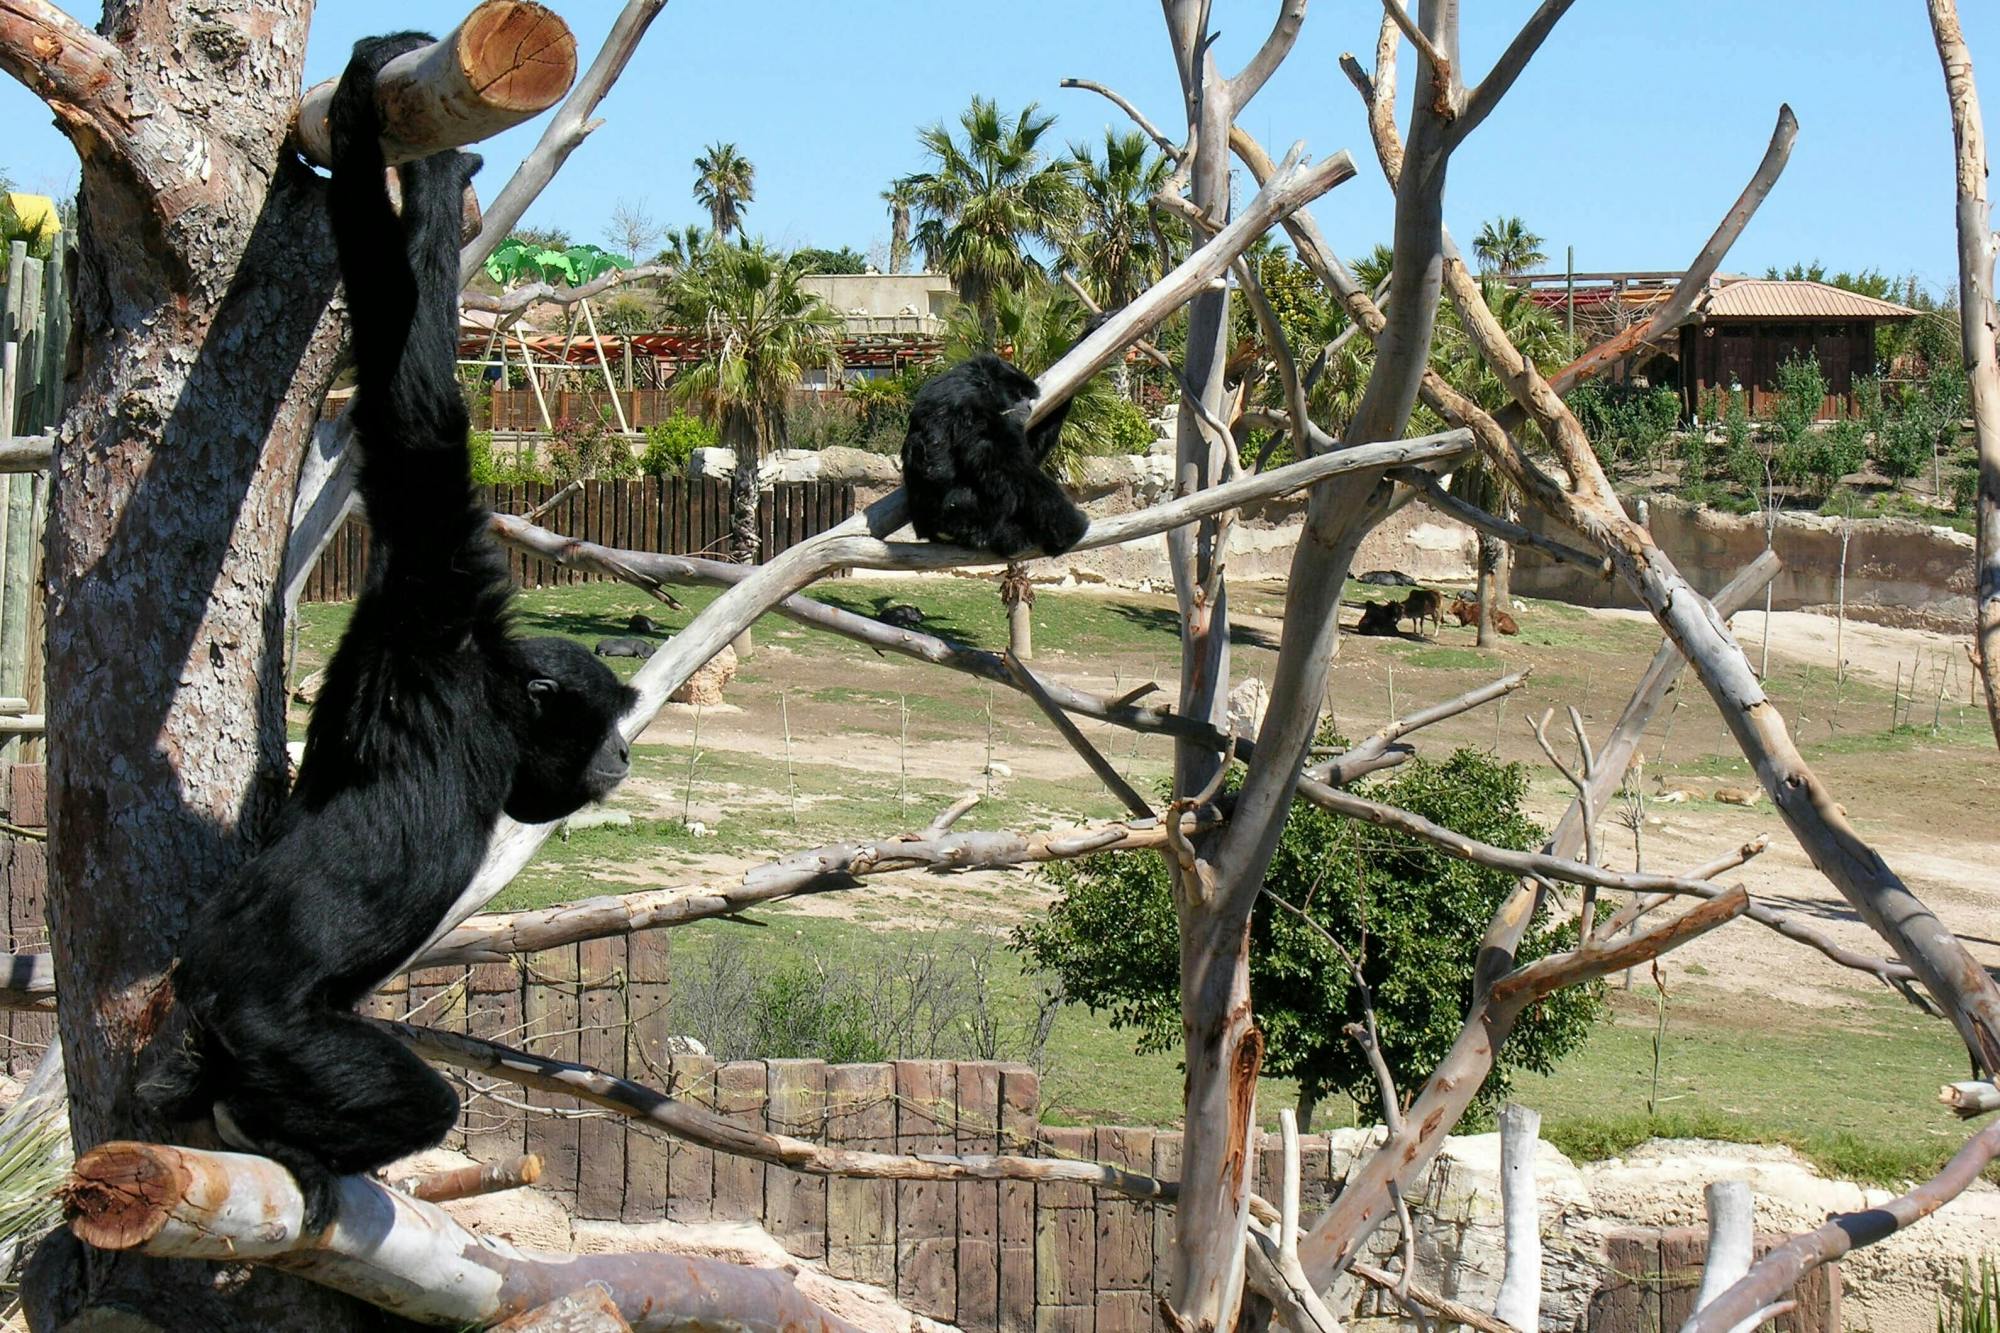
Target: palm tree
x,y
901,196
984,199
1506,247
724,182
684,247
1118,248
763,332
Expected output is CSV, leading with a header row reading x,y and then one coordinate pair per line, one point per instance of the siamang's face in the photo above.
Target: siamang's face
x,y
571,752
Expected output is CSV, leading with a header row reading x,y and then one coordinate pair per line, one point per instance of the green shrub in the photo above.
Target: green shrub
x,y
1963,479
1975,1306
1904,447
1837,451
1624,422
1410,916
1801,391
671,443
1127,430
488,469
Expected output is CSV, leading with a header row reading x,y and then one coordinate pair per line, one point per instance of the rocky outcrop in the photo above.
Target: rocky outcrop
x,y
705,686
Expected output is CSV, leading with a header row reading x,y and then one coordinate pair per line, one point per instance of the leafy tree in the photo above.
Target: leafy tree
x,y
901,196
543,238
983,199
1118,246
1837,451
1506,247
764,331
1410,916
1801,389
846,259
724,183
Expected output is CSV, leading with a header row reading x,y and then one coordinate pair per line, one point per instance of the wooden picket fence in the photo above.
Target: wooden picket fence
x,y
665,515
34,338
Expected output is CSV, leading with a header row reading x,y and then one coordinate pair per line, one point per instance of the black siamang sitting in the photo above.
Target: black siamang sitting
x,y
973,471
434,719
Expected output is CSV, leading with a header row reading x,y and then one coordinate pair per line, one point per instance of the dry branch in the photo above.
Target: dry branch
x,y
1970,1097
1443,1306
77,73
509,61
1547,975
1442,500
1976,320
499,936
1106,773
468,1182
704,1128
396,1252
520,298
1781,1269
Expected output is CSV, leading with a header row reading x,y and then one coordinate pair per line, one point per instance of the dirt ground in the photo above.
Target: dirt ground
x,y
1920,794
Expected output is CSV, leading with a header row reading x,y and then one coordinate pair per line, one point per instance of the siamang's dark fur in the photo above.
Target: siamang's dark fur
x,y
623,648
434,720
973,472
644,624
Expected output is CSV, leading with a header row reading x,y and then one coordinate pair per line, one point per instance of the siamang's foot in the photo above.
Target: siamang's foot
x,y
1064,531
321,1189
355,116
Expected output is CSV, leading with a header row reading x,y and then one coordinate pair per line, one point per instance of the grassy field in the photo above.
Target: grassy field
x,y
878,745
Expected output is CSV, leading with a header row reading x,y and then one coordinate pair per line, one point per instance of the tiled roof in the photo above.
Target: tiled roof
x,y
1772,298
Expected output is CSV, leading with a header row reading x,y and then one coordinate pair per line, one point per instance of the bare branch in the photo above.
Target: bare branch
x,y
1472,516
507,63
1970,1097
570,126
498,936
1693,284
1545,976
1441,64
1781,1269
77,73
396,1252
1537,865
1976,324
1283,36
1168,148
1102,767
1444,1306
520,298
1479,102
469,1182
698,1125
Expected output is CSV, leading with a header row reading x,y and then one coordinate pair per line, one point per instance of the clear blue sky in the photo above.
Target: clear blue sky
x,y
1627,137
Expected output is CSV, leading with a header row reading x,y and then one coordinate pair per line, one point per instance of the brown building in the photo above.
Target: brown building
x,y
1750,326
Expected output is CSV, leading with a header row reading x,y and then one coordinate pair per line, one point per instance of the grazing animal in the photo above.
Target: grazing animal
x,y
623,648
1389,578
973,471
434,720
644,624
1739,795
1381,618
1466,612
1424,604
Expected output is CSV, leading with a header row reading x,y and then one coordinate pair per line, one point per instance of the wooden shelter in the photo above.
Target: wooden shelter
x,y
1751,326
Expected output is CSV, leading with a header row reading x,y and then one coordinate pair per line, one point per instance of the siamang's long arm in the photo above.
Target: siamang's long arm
x,y
436,579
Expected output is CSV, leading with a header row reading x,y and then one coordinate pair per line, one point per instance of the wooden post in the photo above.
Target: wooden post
x,y
1730,1211
507,62
1520,1299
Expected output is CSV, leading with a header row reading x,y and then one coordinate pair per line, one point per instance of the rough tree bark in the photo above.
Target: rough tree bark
x,y
202,313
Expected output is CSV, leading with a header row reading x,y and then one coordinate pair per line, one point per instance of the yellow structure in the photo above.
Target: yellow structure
x,y
37,212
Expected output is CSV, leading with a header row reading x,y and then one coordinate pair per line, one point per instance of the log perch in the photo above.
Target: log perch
x,y
509,61
402,1254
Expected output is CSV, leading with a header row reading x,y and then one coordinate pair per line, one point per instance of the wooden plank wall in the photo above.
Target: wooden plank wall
x,y
667,515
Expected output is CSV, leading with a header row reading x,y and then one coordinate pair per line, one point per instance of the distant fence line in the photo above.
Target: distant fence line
x,y
665,515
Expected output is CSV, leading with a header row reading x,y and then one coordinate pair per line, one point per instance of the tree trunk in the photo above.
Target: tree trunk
x,y
1018,595
201,312
1489,588
739,432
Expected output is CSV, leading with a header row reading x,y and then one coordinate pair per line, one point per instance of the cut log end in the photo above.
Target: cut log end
x,y
120,1195
508,61
519,55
